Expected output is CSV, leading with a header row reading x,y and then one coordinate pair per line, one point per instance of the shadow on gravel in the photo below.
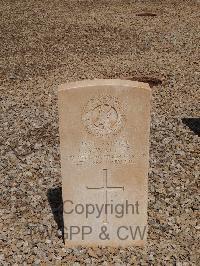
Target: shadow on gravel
x,y
152,81
54,196
146,14
193,124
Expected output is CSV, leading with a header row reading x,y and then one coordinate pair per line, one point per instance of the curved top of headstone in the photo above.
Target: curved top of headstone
x,y
103,82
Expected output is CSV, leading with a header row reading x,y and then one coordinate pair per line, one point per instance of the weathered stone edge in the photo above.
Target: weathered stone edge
x,y
102,82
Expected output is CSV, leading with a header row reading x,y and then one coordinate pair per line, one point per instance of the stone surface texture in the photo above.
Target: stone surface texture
x,y
47,43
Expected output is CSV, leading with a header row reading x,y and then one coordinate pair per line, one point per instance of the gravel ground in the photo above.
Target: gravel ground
x,y
46,43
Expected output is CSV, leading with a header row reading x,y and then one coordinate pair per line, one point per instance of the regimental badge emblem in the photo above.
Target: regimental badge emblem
x,y
103,116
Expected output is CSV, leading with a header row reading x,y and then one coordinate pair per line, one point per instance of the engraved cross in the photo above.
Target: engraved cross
x,y
105,187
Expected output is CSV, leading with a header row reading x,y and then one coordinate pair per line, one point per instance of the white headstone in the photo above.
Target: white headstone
x,y
104,143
